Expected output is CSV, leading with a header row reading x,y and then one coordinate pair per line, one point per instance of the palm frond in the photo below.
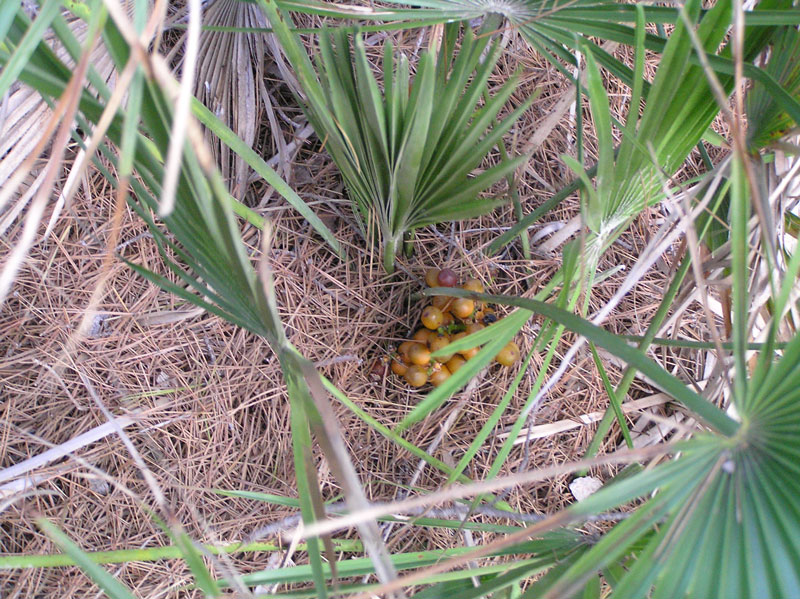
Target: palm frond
x,y
24,114
230,82
407,154
766,120
199,240
719,509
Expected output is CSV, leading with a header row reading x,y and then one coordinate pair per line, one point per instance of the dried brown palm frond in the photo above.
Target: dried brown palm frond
x,y
230,81
24,115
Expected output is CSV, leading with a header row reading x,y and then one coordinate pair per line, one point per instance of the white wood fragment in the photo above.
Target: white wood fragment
x,y
584,486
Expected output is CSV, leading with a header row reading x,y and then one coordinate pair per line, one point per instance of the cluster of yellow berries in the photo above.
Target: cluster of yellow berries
x,y
445,320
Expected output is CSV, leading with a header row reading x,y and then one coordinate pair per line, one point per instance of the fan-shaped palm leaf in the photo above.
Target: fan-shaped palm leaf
x,y
407,153
678,111
766,120
550,26
201,245
24,114
725,517
230,81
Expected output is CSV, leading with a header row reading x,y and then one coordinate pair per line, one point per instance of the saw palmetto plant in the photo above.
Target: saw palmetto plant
x,y
714,513
198,239
407,150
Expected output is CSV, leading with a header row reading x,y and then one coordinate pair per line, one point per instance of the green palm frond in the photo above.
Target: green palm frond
x,y
727,510
199,241
766,120
550,26
679,109
406,153
724,517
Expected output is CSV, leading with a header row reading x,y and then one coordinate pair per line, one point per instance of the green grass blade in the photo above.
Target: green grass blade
x,y
550,547
740,214
605,142
305,474
193,558
8,11
235,143
705,410
154,554
478,442
504,329
612,397
34,34
392,435
270,498
531,218
110,585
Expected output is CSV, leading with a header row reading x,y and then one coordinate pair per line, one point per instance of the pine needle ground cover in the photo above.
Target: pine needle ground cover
x,y
213,408
220,393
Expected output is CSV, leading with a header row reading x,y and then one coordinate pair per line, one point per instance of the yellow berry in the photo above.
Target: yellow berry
x,y
442,302
432,317
423,336
463,307
419,354
403,350
473,285
473,327
466,353
440,342
432,277
508,355
416,376
439,376
455,363
398,367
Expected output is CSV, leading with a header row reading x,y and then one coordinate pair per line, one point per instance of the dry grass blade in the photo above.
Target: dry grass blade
x,y
180,120
329,434
55,453
475,489
558,520
547,430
